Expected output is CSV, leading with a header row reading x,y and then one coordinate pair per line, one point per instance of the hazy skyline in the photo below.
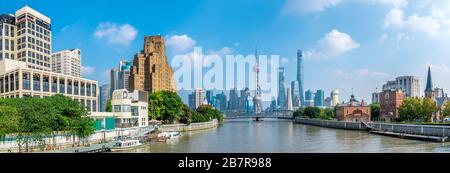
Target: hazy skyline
x,y
357,44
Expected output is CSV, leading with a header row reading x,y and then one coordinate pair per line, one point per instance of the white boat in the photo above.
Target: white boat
x,y
125,145
166,136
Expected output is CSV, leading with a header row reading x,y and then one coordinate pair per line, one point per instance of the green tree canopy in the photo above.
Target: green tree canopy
x,y
165,106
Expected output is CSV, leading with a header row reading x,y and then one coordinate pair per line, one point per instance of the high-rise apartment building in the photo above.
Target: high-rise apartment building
x,y
300,76
233,103
408,84
7,37
151,71
26,36
67,62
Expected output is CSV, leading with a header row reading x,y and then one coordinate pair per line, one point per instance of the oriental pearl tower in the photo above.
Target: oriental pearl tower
x,y
257,105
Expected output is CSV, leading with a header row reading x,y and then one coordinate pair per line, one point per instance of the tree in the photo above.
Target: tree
x,y
9,120
327,114
187,115
446,110
413,109
429,107
375,111
311,112
108,106
299,112
166,106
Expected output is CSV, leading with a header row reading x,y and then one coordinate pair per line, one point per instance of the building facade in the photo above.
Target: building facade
x,y
281,88
18,80
103,97
309,98
376,97
7,37
410,85
319,98
67,62
295,87
123,75
390,101
353,111
233,102
113,81
151,71
334,98
130,108
197,98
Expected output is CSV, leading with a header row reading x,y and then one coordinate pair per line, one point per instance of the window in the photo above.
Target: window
x,y
12,46
62,86
46,84
26,81
12,31
88,105
75,88
54,87
134,110
69,87
94,106
82,89
6,30
117,108
6,44
36,82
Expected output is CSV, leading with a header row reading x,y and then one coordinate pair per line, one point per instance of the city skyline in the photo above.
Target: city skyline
x,y
360,60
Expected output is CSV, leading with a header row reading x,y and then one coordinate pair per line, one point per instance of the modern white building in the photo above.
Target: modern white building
x,y
18,80
130,108
334,98
289,105
408,84
67,62
33,39
197,98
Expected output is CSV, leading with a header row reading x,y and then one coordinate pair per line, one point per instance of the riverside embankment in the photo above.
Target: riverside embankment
x,y
64,141
420,132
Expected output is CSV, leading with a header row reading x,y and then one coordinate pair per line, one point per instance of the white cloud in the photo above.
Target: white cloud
x,y
87,70
115,33
284,60
307,6
180,43
395,19
372,74
331,45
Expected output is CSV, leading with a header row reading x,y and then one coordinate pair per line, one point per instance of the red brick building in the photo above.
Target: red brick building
x,y
390,101
353,111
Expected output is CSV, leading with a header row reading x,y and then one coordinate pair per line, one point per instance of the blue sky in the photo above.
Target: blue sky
x,y
349,44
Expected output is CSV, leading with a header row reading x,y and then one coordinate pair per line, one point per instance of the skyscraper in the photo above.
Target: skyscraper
x,y
103,97
197,98
257,103
113,81
27,37
67,62
234,100
281,88
334,98
124,75
319,98
210,97
309,98
295,94
151,71
289,106
300,76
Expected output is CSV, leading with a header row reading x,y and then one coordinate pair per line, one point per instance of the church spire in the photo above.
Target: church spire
x,y
429,81
429,89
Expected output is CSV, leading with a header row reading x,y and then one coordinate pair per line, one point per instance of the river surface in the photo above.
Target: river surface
x,y
284,136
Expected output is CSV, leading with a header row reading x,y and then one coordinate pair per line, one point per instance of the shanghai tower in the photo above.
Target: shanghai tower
x,y
300,76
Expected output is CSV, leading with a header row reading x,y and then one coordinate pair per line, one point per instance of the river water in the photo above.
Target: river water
x,y
285,136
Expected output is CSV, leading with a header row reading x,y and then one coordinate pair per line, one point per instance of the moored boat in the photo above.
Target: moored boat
x,y
126,144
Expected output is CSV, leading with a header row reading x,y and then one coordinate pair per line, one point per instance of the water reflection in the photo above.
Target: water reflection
x,y
284,136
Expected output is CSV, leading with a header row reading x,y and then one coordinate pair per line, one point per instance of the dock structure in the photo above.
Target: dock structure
x,y
95,148
380,131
